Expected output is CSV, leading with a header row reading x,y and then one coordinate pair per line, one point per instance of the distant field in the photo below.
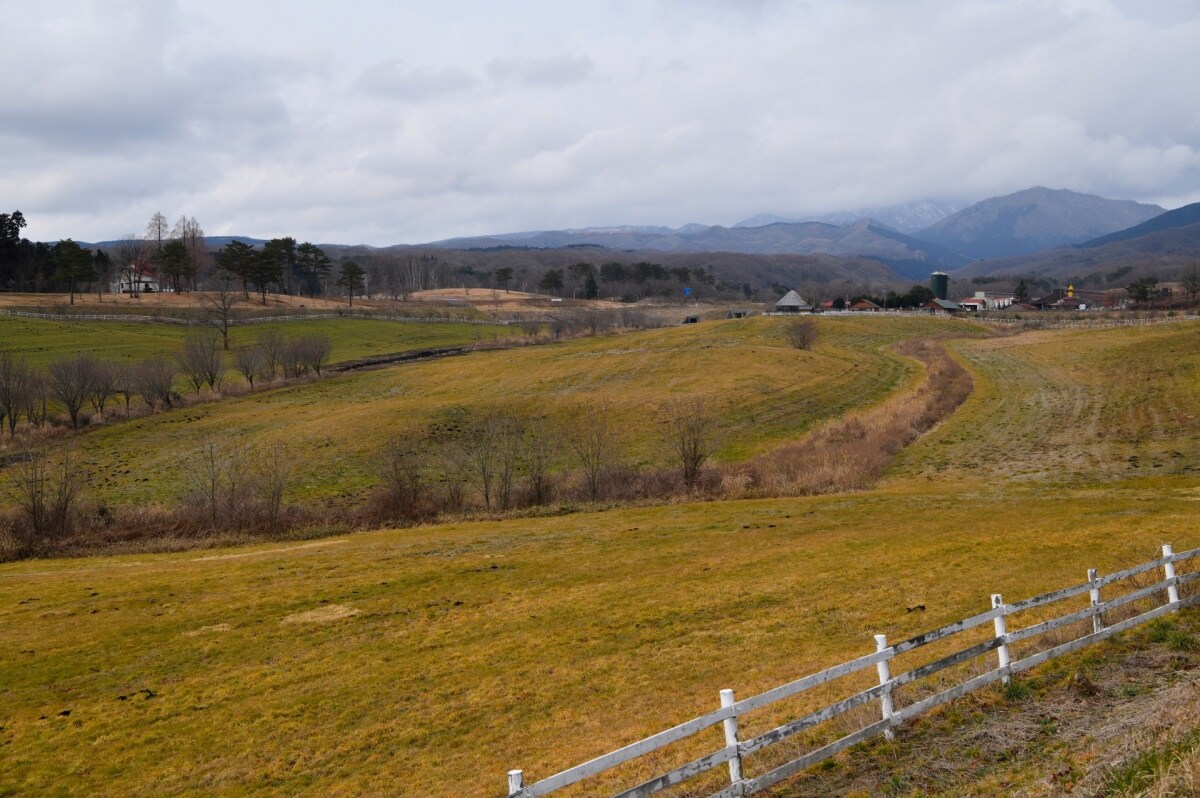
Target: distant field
x,y
41,340
763,391
429,661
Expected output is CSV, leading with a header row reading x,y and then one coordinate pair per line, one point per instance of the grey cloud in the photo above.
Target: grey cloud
x,y
552,71
393,79
664,113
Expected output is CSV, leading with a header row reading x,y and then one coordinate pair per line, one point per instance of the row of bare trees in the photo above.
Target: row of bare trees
x,y
502,460
226,486
79,382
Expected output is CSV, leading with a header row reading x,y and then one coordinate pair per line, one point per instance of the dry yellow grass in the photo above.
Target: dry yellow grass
x,y
538,643
762,390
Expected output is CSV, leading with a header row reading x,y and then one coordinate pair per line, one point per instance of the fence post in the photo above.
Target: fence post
x,y
1098,616
516,781
1001,626
731,738
885,677
1169,571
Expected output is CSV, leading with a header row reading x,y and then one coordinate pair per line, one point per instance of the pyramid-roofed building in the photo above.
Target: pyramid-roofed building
x,y
792,303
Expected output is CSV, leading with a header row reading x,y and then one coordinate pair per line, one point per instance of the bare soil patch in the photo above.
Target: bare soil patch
x,y
326,614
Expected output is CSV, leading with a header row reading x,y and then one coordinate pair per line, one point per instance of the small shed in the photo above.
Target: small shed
x,y
792,303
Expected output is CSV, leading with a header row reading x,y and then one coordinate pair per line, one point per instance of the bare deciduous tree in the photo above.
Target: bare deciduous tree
x,y
401,480
105,380
47,492
801,333
596,443
200,359
541,449
71,381
157,230
292,359
272,343
453,462
218,307
14,385
153,380
132,256
188,231
36,396
231,486
688,431
250,362
125,383
315,351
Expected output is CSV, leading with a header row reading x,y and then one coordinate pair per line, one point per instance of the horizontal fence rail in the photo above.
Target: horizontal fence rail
x,y
735,750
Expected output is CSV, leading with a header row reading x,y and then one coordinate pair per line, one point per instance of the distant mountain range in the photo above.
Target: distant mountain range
x,y
1045,232
1033,220
907,256
1017,224
907,218
1160,247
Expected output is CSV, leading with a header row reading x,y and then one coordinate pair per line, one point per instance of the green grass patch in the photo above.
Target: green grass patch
x,y
41,341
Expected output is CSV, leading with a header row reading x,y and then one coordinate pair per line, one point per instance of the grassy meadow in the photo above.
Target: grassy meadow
x,y
762,390
429,661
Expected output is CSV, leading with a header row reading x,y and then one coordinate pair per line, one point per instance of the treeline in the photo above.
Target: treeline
x,y
178,258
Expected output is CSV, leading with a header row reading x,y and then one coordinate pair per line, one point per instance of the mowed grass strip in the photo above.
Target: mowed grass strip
x,y
430,661
762,391
42,340
1071,407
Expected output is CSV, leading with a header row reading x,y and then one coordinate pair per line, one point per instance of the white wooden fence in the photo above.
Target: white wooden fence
x,y
735,751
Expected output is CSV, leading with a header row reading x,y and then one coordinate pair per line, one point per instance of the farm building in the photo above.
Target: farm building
x,y
737,314
864,306
1070,299
792,303
941,306
135,281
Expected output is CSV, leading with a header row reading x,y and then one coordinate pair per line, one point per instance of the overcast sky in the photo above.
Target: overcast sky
x,y
405,122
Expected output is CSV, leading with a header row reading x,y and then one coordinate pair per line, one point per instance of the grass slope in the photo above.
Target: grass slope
x,y
763,390
476,648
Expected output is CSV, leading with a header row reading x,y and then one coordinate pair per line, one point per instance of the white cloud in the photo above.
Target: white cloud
x,y
385,123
